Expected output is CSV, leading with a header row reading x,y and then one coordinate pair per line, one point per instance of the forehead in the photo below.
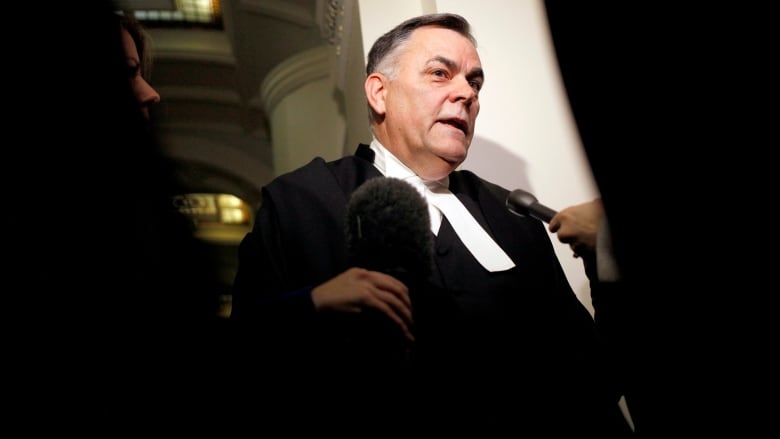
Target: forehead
x,y
129,45
437,41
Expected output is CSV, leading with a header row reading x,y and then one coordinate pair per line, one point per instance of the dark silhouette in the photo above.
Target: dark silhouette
x,y
117,325
652,88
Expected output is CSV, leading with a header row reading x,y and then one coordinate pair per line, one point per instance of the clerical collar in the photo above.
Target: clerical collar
x,y
390,166
440,200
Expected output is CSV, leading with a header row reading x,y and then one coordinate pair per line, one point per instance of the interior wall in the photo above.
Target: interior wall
x,y
306,117
295,140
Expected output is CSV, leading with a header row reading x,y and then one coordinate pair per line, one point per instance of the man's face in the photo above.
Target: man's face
x,y
432,103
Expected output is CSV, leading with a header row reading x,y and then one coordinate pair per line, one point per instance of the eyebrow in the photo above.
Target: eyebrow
x,y
476,72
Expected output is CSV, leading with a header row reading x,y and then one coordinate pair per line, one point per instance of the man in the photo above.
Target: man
x,y
492,340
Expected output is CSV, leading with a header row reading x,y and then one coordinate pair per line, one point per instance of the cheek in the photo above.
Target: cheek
x,y
415,107
407,107
136,86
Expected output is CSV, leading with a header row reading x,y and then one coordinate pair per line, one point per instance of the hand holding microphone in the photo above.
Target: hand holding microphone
x,y
524,203
576,225
387,231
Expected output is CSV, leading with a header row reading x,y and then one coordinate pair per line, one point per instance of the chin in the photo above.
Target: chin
x,y
447,165
455,157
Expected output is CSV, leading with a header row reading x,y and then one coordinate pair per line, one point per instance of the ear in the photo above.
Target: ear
x,y
375,92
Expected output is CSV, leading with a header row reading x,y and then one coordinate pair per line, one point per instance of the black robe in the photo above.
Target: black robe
x,y
503,352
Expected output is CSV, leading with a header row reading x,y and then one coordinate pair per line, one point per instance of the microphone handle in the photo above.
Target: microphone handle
x,y
541,212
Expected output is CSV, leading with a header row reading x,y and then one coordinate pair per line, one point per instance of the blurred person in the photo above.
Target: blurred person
x,y
490,340
585,228
136,44
687,313
117,328
172,325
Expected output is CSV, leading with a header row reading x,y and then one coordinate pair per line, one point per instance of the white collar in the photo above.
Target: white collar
x,y
390,166
474,237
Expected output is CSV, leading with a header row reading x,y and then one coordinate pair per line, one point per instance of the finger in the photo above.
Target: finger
x,y
400,307
388,311
385,282
400,319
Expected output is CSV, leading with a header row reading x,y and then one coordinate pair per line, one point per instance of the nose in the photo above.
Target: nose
x,y
464,91
145,94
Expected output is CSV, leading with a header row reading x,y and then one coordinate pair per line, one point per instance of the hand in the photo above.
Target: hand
x,y
578,225
358,289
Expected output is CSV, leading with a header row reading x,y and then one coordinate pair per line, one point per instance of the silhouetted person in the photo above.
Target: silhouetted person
x,y
117,325
652,89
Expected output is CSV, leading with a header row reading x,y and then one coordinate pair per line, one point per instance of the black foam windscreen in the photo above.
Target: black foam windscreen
x,y
388,229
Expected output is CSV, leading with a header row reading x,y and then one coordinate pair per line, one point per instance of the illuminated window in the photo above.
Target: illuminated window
x,y
206,208
186,13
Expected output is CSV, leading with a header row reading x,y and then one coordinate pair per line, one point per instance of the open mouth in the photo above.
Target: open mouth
x,y
457,123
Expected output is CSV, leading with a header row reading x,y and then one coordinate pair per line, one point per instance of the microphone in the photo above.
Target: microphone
x,y
388,229
524,203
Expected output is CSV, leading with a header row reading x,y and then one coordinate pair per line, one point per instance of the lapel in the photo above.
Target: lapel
x,y
352,171
457,267
485,206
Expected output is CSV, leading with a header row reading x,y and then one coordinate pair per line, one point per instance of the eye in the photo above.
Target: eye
x,y
440,73
133,70
476,85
